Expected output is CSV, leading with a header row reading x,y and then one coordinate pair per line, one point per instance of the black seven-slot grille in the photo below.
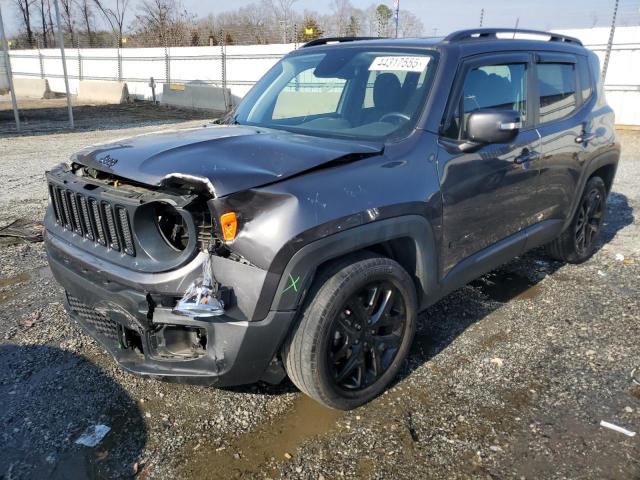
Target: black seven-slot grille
x,y
94,219
102,324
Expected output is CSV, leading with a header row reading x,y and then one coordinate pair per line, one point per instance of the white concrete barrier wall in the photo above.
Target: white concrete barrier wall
x,y
203,97
102,91
4,78
31,88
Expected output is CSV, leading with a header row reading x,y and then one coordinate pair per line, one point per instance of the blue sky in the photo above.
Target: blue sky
x,y
449,15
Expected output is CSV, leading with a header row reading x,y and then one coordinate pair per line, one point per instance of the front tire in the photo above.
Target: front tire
x,y
578,242
354,333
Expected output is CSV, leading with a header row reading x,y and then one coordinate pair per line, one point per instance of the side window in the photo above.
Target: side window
x,y
586,79
557,88
308,95
501,86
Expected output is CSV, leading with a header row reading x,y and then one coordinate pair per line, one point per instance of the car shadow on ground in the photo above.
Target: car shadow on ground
x,y
444,321
50,397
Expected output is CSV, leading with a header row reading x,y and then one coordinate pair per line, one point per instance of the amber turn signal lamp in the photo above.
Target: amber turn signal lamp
x,y
229,224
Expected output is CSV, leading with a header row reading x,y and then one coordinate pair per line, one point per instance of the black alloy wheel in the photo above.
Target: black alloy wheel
x,y
366,335
355,330
589,221
579,239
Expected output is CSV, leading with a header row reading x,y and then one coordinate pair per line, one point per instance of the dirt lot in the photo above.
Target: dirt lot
x,y
509,377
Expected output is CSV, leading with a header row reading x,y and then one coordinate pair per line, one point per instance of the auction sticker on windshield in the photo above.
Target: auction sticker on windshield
x,y
403,64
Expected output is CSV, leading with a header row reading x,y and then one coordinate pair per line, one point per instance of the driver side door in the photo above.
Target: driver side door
x,y
489,193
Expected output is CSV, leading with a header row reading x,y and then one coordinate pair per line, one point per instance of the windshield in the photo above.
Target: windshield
x,y
347,92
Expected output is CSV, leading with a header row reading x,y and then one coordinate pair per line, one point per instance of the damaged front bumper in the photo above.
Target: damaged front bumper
x,y
116,306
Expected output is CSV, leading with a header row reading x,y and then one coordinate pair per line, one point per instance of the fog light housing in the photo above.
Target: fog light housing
x,y
178,342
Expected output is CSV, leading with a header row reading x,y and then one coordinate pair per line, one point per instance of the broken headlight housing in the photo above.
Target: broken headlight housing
x,y
164,231
172,226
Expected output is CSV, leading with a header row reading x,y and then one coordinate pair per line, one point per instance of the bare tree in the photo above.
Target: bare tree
x,y
284,13
67,17
114,15
42,10
25,12
342,13
86,12
166,20
410,24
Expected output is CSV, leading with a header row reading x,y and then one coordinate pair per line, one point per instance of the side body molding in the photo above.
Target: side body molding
x,y
300,271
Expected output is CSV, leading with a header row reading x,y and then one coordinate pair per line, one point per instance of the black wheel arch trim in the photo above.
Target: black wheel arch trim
x,y
608,158
301,268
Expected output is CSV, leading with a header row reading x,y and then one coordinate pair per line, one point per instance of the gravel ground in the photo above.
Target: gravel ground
x,y
509,376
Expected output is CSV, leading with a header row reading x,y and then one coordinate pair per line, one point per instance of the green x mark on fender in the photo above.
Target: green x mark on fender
x,y
293,283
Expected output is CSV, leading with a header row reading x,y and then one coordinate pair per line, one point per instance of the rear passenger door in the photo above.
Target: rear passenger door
x,y
560,123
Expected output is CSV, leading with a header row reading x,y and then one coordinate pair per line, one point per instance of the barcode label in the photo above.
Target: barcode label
x,y
402,64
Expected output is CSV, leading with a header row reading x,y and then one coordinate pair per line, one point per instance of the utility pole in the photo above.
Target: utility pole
x,y
64,64
396,13
607,55
481,17
7,62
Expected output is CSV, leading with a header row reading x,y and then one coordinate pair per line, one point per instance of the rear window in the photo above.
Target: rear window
x,y
557,89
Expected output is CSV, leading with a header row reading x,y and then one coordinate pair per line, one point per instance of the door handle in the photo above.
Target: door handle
x,y
584,137
526,156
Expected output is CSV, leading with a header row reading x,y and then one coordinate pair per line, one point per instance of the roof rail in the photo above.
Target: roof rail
x,y
491,33
324,41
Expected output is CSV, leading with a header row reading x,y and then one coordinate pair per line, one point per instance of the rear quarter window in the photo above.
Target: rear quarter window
x,y
586,79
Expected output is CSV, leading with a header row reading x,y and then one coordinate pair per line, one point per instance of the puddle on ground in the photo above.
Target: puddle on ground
x,y
307,419
8,282
505,286
42,273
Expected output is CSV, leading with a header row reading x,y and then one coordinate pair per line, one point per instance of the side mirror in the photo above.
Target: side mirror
x,y
493,126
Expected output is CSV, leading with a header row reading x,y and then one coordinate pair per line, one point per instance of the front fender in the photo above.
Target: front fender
x,y
300,271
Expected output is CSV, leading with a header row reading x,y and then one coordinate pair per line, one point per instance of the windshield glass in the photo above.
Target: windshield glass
x,y
347,92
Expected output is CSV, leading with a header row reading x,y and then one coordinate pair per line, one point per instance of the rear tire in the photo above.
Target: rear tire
x,y
577,243
354,332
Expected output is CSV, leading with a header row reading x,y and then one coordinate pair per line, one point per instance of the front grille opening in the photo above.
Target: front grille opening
x,y
96,220
64,210
172,226
111,225
125,228
88,224
77,225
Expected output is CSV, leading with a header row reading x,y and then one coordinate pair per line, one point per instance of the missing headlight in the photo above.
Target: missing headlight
x,y
172,226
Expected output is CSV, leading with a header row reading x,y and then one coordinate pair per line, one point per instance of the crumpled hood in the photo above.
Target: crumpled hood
x,y
230,158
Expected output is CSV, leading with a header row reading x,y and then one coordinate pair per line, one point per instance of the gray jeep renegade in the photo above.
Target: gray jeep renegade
x,y
358,182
